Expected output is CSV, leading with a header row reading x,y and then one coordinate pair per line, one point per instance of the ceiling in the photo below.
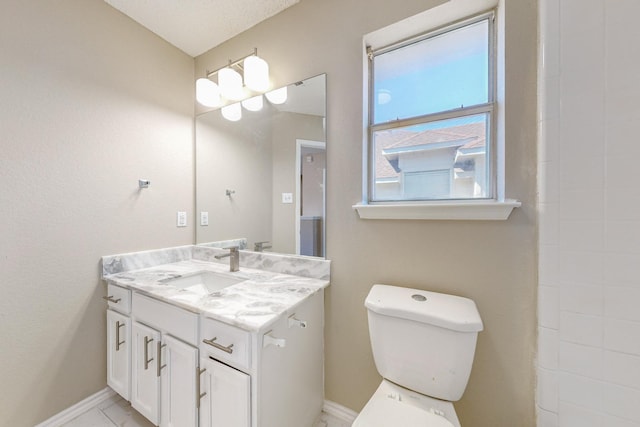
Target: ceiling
x,y
195,26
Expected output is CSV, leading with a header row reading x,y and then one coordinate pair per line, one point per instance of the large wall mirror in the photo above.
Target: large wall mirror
x,y
262,178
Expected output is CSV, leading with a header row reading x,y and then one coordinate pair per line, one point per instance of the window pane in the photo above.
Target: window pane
x,y
436,74
445,159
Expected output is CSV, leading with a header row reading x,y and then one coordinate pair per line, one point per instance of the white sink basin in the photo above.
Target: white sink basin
x,y
204,282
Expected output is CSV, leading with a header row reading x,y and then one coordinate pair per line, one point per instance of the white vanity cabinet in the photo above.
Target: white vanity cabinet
x,y
119,340
145,378
290,382
225,395
225,356
164,362
179,368
179,384
272,378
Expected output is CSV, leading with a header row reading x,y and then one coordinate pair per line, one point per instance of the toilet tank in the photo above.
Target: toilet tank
x,y
423,341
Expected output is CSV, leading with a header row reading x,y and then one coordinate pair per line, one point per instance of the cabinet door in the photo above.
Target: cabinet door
x,y
227,402
179,386
145,378
118,353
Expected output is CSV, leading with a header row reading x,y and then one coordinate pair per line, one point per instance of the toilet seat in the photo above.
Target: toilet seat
x,y
391,413
393,406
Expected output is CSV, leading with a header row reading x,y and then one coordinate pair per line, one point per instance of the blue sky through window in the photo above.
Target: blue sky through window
x,y
437,74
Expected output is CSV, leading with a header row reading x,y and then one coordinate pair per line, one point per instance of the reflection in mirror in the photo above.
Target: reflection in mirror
x,y
262,178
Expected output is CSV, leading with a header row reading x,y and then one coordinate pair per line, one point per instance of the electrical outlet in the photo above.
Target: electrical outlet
x,y
181,219
204,218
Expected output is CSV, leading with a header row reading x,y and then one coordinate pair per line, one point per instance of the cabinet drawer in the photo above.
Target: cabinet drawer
x,y
225,343
167,318
119,298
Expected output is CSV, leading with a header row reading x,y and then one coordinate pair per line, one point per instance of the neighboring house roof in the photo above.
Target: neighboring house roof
x,y
389,144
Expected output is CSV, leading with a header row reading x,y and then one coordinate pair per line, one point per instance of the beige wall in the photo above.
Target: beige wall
x,y
234,156
492,262
89,103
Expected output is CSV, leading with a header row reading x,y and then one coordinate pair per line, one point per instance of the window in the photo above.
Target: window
x,y
431,115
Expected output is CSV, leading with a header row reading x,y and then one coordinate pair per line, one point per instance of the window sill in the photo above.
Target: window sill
x,y
484,210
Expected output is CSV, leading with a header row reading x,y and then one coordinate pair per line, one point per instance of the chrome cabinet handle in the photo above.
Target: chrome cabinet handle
x,y
111,299
118,326
198,394
296,322
268,340
211,342
147,340
159,366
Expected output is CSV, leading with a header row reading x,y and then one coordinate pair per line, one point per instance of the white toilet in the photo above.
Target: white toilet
x,y
423,345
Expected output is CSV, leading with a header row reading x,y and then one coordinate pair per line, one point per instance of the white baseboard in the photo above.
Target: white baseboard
x,y
78,409
341,412
334,409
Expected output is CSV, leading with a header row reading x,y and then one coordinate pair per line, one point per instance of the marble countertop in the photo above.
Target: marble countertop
x,y
252,304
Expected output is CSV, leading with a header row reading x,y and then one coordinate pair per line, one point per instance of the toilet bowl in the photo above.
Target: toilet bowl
x,y
423,345
395,406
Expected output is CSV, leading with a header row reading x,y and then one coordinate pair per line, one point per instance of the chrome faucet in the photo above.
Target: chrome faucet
x,y
234,258
260,246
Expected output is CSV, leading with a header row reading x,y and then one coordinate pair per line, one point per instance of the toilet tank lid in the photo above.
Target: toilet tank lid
x,y
443,310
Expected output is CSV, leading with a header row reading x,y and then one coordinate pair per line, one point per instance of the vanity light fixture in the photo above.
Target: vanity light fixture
x,y
208,93
278,96
236,81
256,73
253,104
232,112
230,82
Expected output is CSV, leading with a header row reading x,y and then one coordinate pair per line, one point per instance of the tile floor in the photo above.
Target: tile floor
x,y
118,412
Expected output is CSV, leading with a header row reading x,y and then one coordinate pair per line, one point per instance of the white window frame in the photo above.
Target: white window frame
x,y
495,208
485,108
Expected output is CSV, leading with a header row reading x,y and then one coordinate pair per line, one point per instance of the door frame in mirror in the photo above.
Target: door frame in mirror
x,y
300,144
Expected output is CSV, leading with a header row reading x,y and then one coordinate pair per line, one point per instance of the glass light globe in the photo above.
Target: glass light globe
x,y
232,112
256,73
278,96
230,82
253,104
207,93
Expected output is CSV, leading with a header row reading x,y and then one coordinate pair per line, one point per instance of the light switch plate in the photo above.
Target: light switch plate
x,y
181,219
204,218
287,197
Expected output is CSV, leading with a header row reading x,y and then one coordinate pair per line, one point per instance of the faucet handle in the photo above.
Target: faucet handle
x,y
233,250
259,246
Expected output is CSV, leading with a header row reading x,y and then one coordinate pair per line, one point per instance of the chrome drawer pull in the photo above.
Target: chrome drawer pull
x,y
199,395
111,299
147,340
159,365
118,343
211,342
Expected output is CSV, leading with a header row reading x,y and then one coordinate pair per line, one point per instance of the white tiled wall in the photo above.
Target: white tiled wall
x,y
589,210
